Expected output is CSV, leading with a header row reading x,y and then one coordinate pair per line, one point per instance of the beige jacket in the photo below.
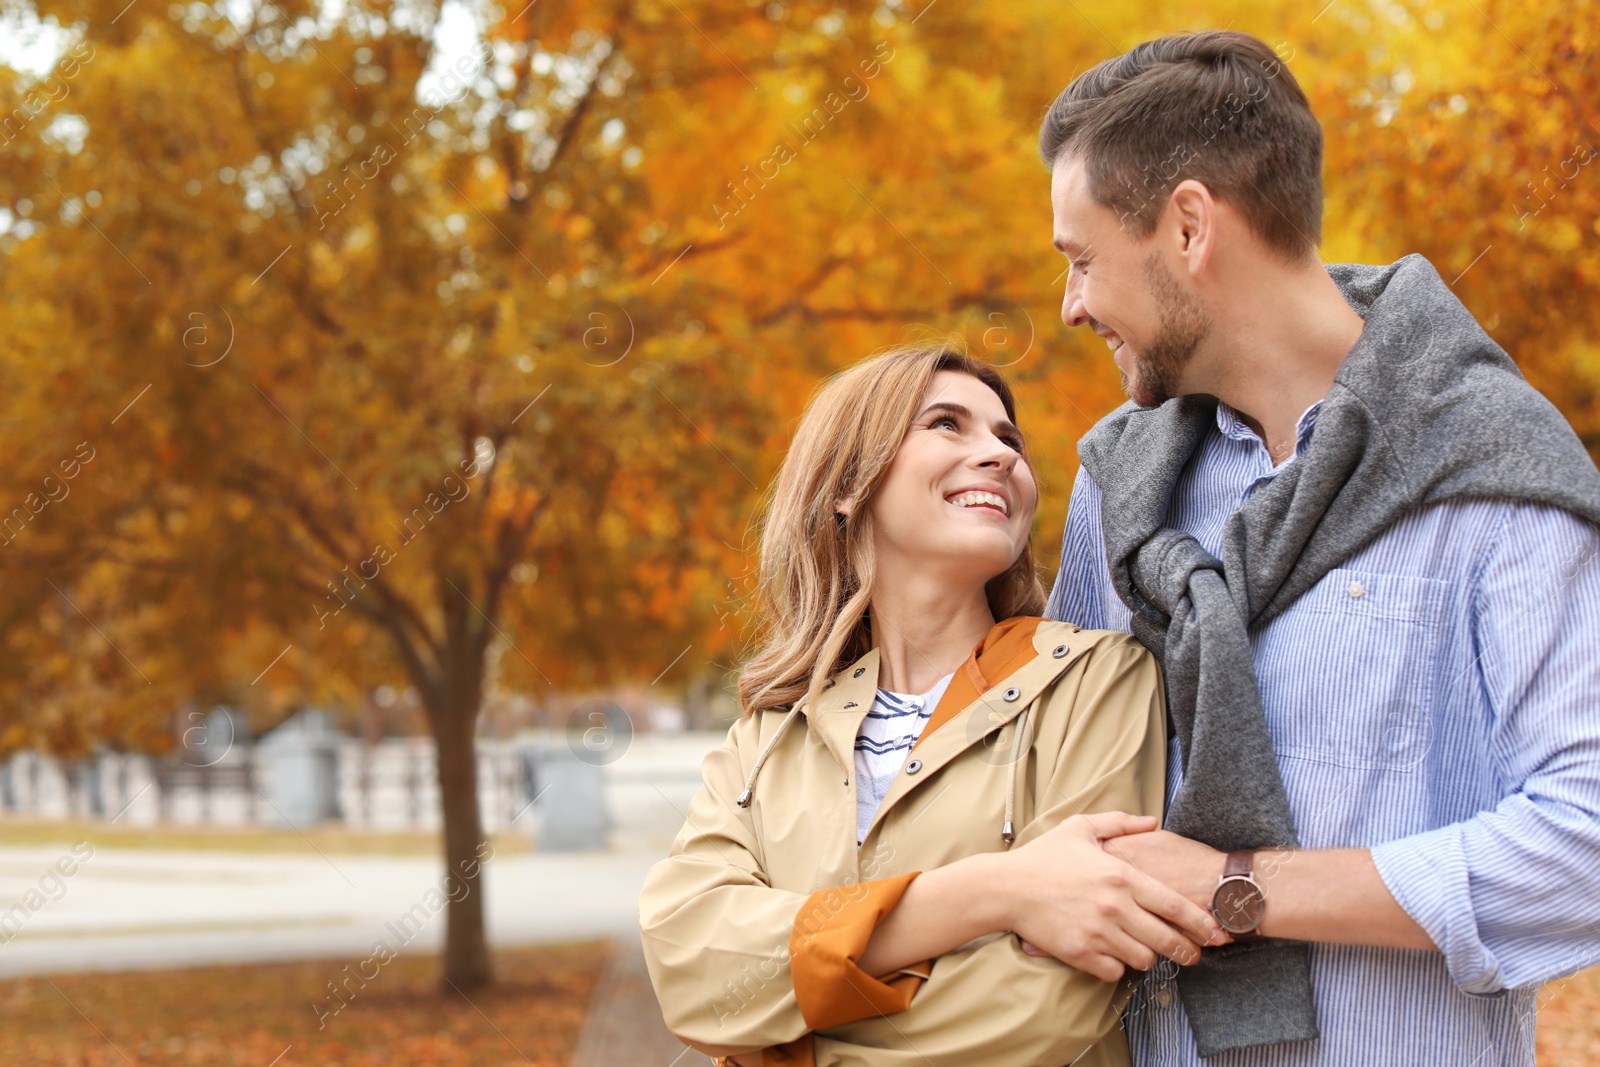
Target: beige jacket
x,y
752,924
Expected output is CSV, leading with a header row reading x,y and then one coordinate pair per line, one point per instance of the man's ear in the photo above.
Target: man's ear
x,y
1193,216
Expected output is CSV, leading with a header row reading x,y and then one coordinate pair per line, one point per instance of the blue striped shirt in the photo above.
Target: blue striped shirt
x,y
1434,700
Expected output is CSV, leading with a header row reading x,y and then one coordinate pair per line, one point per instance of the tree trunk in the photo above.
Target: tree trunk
x,y
466,947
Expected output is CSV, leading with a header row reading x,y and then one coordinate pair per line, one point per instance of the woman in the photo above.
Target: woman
x,y
911,792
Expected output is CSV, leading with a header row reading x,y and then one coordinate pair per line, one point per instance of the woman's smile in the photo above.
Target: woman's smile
x,y
988,498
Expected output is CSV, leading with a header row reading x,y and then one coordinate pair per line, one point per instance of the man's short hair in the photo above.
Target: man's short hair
x,y
1219,107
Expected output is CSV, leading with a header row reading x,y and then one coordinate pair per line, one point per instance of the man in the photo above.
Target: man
x,y
1363,547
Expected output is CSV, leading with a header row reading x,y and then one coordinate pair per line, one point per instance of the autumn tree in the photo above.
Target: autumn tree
x,y
395,349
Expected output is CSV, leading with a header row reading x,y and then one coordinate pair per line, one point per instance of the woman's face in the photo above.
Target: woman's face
x,y
959,495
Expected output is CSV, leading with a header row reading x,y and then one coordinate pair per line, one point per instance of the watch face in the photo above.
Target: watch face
x,y
1238,905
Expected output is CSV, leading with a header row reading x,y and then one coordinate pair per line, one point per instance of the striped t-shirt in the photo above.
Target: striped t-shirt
x,y
887,734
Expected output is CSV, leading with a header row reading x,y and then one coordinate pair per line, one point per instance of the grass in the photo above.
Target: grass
x,y
327,839
261,1015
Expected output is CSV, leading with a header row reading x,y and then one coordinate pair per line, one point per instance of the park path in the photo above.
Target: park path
x,y
624,1027
134,909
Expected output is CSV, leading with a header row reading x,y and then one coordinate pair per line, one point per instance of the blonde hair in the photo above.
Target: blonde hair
x,y
816,573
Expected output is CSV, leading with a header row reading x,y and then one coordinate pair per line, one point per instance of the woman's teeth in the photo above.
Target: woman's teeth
x,y
968,500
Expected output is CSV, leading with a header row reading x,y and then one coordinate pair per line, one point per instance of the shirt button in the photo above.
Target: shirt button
x,y
1356,590
1163,996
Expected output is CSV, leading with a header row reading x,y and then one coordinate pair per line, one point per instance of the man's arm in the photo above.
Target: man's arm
x,y
1333,894
1510,895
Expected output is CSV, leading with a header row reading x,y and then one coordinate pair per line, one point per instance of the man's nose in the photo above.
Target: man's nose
x,y
1072,309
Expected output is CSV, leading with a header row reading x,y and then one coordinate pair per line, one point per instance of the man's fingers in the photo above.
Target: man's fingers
x,y
1109,824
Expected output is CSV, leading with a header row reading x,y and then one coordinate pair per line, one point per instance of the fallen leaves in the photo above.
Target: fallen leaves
x,y
262,1014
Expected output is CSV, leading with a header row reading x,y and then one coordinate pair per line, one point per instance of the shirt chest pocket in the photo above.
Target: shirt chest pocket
x,y
1349,674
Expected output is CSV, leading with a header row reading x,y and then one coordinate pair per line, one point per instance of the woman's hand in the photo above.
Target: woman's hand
x,y
1070,899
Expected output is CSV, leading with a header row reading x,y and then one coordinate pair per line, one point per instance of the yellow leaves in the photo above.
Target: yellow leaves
x,y
434,308
1561,235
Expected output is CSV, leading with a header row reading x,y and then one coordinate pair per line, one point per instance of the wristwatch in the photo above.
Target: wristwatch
x,y
1239,901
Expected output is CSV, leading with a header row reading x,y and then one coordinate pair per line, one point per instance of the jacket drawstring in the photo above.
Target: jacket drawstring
x,y
750,782
1008,830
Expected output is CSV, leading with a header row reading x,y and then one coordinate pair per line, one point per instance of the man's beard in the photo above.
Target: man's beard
x,y
1184,325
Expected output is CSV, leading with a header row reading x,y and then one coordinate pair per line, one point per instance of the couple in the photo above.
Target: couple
x,y
1327,610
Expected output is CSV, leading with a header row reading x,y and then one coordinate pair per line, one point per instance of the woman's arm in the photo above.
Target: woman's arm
x,y
1096,911
715,933
991,1002
1060,889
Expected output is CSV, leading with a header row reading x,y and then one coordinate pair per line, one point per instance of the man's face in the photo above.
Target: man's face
x,y
1124,290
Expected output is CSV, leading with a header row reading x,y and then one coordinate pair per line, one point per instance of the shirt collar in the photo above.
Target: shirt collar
x,y
1231,425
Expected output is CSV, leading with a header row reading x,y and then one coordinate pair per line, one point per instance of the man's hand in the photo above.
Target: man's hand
x,y
1183,864
1092,910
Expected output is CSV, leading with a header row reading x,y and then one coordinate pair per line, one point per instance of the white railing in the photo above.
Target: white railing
x,y
390,785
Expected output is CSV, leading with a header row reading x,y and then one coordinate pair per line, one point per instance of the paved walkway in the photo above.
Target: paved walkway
x,y
125,909
624,1027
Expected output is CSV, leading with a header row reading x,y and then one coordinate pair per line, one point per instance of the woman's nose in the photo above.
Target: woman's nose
x,y
1001,457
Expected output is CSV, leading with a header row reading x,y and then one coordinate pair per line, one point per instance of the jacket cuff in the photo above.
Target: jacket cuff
x,y
801,1052
797,1053
831,931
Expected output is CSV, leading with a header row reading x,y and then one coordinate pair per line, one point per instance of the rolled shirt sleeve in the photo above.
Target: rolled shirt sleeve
x,y
1511,896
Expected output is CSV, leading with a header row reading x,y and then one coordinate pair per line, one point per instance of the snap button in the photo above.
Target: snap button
x,y
914,766
859,672
1059,651
1356,590
1012,693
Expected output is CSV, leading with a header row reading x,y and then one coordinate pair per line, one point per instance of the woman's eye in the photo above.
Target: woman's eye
x,y
943,420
